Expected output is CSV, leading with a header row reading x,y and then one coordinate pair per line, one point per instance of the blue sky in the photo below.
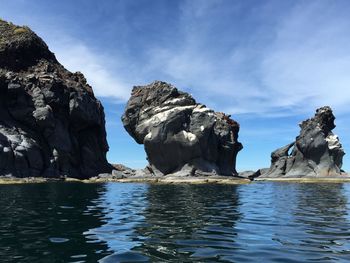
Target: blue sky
x,y
268,63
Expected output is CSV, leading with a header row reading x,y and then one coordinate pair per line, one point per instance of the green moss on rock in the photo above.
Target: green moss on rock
x,y
20,47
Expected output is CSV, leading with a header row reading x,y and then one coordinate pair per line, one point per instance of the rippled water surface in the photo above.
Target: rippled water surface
x,y
259,222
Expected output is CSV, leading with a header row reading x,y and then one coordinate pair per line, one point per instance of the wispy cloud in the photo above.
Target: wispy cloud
x,y
299,61
308,61
77,56
74,53
272,58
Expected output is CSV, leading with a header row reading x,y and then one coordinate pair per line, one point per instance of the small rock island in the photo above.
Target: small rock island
x,y
181,136
316,152
51,124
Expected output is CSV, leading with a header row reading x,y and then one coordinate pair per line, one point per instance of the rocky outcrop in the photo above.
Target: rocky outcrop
x,y
316,152
179,135
251,175
51,124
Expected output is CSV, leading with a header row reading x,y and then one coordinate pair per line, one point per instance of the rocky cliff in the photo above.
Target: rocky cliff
x,y
316,152
180,135
51,124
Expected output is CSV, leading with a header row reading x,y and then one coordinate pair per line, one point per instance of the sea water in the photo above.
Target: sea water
x,y
136,222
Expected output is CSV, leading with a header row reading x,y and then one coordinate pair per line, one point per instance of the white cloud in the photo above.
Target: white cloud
x,y
308,63
299,62
76,56
268,58
101,71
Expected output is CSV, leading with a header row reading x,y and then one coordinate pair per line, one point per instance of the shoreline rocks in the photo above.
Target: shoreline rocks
x,y
170,179
181,136
51,124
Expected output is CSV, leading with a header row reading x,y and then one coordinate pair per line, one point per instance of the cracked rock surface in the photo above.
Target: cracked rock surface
x,y
51,124
316,152
181,136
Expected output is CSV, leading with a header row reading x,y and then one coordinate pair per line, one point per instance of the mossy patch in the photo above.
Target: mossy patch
x,y
10,32
20,30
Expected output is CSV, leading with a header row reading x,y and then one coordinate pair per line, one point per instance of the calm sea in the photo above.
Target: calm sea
x,y
113,222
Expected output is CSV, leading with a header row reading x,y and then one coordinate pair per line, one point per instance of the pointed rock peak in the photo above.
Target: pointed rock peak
x,y
160,92
324,118
316,152
21,48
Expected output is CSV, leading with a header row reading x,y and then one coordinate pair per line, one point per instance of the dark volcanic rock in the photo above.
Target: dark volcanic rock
x,y
50,122
251,175
179,134
316,152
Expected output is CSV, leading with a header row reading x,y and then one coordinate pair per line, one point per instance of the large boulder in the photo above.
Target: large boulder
x,y
51,124
179,134
316,152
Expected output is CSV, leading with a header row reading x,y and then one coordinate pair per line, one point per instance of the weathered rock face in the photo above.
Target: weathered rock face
x,y
50,122
316,152
180,134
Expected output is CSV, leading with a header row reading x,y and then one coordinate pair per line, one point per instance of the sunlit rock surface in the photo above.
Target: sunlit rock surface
x,y
180,135
51,124
316,152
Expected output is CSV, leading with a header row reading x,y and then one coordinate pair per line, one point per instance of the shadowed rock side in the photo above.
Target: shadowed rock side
x,y
179,134
51,124
316,152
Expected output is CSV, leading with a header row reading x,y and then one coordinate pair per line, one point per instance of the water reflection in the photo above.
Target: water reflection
x,y
265,217
45,222
185,222
322,212
122,207
167,222
260,222
294,222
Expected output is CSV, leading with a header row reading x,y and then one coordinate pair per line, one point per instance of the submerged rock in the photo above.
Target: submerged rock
x,y
51,124
180,135
316,152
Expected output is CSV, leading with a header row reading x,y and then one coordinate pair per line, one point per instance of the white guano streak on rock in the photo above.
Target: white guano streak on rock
x,y
333,142
163,116
174,101
155,109
201,108
189,136
149,136
158,109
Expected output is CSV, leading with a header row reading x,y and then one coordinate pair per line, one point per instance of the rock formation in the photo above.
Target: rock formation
x,y
316,152
51,124
180,135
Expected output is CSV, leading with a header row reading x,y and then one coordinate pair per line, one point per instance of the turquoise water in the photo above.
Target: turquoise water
x,y
259,222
